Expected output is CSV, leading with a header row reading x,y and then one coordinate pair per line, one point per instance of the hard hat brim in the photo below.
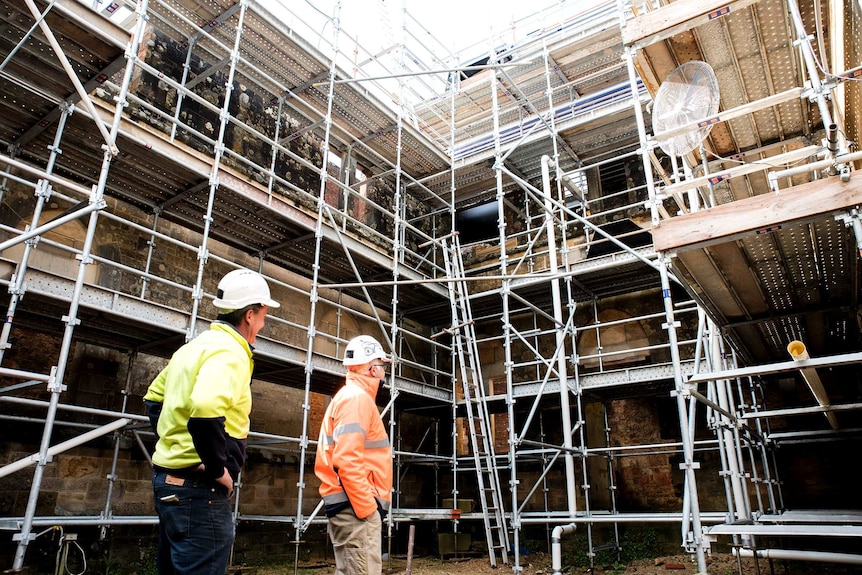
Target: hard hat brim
x,y
351,361
223,305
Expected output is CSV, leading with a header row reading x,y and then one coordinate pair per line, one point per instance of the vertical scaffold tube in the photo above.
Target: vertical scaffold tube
x,y
566,416
314,292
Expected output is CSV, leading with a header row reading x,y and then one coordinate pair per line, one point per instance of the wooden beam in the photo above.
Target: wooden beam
x,y
94,23
769,211
676,17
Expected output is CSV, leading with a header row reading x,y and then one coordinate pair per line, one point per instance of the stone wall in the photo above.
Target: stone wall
x,y
250,155
76,482
644,482
199,121
171,262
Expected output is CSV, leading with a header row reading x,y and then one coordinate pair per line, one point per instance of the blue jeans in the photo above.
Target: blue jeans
x,y
196,528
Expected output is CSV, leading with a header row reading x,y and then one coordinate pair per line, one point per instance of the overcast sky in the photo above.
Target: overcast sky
x,y
438,29
457,24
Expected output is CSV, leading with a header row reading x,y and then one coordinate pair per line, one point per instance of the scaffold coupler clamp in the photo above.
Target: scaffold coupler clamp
x,y
54,385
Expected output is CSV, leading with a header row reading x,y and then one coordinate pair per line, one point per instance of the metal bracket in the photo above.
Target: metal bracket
x,y
15,289
55,386
44,190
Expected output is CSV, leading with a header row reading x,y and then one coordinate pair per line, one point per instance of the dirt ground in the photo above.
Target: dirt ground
x,y
717,564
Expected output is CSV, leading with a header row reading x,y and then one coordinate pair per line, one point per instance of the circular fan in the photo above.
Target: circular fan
x,y
688,94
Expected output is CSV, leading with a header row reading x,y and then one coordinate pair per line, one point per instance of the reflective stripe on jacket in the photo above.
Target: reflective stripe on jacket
x,y
206,380
353,441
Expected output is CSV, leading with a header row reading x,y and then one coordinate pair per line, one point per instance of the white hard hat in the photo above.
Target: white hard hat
x,y
240,288
363,349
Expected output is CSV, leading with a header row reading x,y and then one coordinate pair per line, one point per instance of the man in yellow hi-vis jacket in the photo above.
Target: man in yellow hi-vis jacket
x,y
199,407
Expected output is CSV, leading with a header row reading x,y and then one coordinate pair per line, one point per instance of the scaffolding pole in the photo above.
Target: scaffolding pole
x,y
299,525
56,386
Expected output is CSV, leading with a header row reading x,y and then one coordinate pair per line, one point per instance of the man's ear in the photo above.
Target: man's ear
x,y
248,315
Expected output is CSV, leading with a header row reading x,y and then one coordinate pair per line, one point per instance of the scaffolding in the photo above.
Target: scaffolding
x,y
263,135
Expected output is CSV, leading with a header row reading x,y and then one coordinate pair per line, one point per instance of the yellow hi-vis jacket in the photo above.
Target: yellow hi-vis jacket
x,y
202,403
354,458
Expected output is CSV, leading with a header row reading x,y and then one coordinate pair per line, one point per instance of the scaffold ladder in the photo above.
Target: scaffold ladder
x,y
464,345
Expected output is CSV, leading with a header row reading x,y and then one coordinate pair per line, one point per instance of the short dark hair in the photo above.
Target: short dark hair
x,y
235,317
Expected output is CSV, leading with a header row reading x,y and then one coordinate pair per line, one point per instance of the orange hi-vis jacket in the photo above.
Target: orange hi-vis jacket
x,y
354,458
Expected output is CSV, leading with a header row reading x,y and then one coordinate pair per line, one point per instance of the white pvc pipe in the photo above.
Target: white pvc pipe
x,y
556,555
565,412
797,351
798,555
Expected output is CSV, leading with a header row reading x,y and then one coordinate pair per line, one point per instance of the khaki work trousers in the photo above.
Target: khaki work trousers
x,y
357,543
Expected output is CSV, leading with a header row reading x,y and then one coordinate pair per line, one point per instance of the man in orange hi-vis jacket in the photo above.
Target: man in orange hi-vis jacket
x,y
354,462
